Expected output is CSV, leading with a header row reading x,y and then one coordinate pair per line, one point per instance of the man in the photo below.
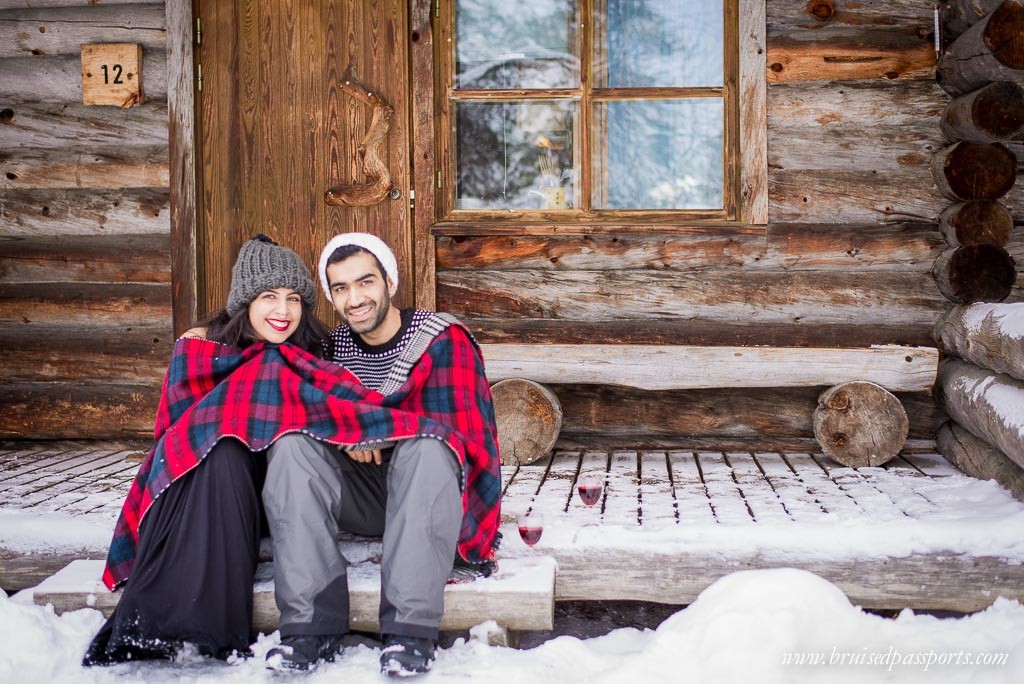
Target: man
x,y
426,498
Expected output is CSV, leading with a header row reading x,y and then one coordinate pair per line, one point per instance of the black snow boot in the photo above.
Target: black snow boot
x,y
404,656
304,651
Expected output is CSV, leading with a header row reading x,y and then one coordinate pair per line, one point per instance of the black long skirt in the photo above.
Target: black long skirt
x,y
193,575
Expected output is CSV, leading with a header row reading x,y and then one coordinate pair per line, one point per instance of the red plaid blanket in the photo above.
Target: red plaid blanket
x,y
260,393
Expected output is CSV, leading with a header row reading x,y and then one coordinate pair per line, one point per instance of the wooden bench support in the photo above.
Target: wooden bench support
x,y
520,596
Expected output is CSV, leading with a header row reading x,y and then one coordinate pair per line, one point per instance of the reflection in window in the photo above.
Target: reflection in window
x,y
641,117
664,154
513,45
659,43
514,155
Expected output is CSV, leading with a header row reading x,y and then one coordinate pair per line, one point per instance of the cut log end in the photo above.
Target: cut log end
x,y
529,418
975,273
968,170
1004,34
860,424
976,222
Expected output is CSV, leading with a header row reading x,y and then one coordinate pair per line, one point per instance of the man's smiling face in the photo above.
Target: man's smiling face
x,y
360,293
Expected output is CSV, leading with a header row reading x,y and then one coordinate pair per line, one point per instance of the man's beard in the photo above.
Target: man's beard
x,y
379,314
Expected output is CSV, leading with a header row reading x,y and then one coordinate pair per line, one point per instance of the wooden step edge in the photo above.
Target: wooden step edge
x,y
519,596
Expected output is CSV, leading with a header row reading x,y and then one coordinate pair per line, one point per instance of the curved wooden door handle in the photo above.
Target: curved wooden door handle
x,y
360,195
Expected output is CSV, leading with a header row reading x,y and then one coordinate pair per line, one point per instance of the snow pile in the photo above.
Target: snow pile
x,y
750,626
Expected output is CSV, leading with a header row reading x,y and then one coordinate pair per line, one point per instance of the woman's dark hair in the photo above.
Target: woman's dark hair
x,y
236,331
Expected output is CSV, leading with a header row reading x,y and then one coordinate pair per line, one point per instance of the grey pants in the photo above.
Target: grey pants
x,y
313,490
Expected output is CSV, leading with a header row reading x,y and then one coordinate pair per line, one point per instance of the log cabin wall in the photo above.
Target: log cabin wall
x,y
85,266
853,122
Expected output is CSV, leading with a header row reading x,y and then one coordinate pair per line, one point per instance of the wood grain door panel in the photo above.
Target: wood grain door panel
x,y
275,130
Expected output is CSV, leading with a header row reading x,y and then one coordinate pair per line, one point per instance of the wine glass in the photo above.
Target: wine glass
x,y
531,527
589,485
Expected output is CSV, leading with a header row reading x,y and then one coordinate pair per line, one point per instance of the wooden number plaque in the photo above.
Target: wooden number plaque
x,y
112,74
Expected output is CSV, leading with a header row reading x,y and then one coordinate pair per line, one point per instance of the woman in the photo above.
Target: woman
x,y
194,553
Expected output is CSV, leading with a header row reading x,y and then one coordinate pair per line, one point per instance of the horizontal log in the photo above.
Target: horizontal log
x,y
49,307
989,114
62,410
975,273
924,581
868,103
59,78
698,332
100,168
63,30
65,124
979,459
661,367
86,357
27,4
991,50
966,170
989,405
828,196
900,246
976,222
987,335
96,259
754,297
77,212
816,14
842,53
752,413
868,148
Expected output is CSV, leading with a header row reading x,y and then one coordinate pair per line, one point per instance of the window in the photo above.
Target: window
x,y
590,109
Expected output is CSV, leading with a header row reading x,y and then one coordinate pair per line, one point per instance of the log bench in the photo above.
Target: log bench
x,y
857,416
519,596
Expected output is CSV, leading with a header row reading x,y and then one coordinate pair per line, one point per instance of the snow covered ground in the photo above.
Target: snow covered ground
x,y
749,627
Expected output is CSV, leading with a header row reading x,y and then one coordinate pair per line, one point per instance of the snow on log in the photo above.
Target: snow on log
x,y
975,273
860,424
991,50
988,335
991,406
529,418
978,459
976,222
989,114
967,170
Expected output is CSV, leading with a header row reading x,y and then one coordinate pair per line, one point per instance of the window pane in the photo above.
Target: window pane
x,y
659,43
502,44
665,154
514,155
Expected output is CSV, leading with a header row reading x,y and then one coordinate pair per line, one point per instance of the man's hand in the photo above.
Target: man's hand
x,y
364,456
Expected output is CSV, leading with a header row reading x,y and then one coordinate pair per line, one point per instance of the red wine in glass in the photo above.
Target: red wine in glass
x,y
531,527
531,535
589,488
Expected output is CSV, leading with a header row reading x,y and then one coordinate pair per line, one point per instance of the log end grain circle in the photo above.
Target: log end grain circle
x,y
976,170
529,418
860,424
1004,34
975,273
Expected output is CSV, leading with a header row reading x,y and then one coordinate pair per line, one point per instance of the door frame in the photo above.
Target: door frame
x,y
181,115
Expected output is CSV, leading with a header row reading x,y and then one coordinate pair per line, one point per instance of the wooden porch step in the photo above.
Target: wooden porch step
x,y
519,596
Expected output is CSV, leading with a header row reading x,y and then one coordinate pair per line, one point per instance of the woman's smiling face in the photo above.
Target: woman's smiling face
x,y
275,314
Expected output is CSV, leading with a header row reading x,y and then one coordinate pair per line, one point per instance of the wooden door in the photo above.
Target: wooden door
x,y
275,130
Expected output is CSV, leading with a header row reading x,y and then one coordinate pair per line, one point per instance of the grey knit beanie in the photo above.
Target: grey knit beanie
x,y
264,265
